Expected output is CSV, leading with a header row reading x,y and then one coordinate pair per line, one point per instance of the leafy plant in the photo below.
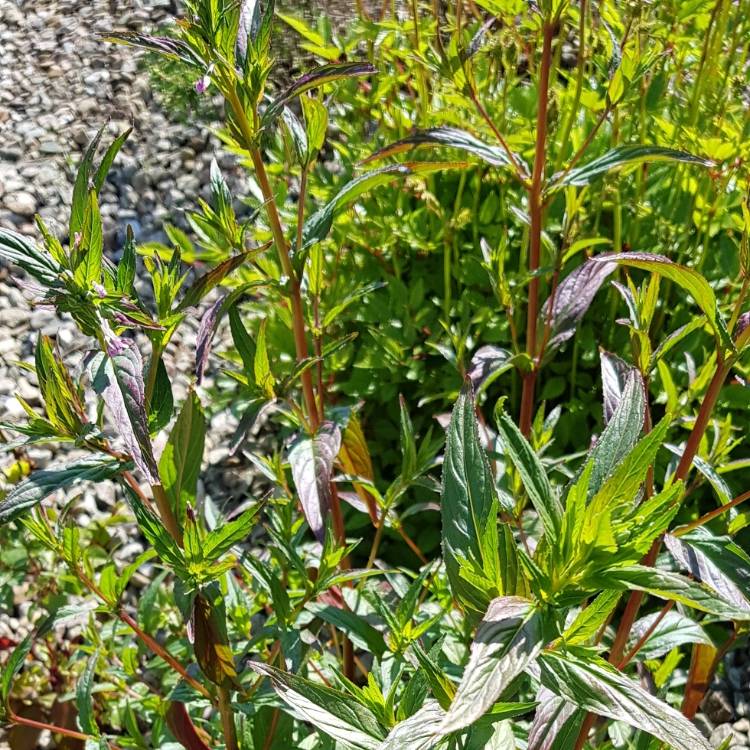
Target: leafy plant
x,y
357,601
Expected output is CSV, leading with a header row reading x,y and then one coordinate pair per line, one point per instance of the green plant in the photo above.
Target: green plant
x,y
527,631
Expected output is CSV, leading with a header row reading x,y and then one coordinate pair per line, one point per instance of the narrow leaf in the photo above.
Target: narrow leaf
x,y
311,460
84,689
204,284
508,639
44,482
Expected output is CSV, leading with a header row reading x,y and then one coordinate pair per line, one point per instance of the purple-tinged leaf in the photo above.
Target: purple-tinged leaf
x,y
716,561
118,379
206,331
507,641
203,285
488,363
311,459
450,138
615,373
42,483
556,724
623,156
316,77
672,630
595,685
573,298
175,49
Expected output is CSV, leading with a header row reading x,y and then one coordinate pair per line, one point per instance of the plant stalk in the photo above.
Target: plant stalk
x,y
536,213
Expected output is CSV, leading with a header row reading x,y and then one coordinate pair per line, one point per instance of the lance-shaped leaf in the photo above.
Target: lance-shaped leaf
x,y
180,462
615,373
360,632
572,299
557,723
182,727
620,434
311,460
118,379
175,49
44,482
84,692
451,138
672,630
595,685
469,509
508,639
623,156
714,560
421,731
334,713
21,251
668,585
206,332
319,224
687,278
315,78
487,364
535,482
203,285
10,669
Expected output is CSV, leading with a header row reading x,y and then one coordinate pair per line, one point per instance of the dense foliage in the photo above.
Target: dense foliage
x,y
488,305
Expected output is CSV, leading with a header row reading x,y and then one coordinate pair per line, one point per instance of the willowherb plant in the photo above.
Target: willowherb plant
x,y
270,628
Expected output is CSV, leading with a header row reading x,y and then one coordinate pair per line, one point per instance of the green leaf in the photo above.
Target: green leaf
x,y
620,434
595,685
673,630
87,261
557,723
204,284
318,225
180,462
589,620
687,278
313,79
153,529
84,704
126,266
44,482
334,713
311,460
108,158
469,509
623,156
161,406
450,138
673,586
225,535
533,477
264,378
361,633
81,188
508,639
19,250
12,667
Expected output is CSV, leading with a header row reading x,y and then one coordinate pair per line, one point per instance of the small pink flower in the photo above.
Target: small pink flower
x,y
202,84
99,289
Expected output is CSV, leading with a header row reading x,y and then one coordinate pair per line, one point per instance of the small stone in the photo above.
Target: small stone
x,y
718,707
21,203
742,725
721,733
51,148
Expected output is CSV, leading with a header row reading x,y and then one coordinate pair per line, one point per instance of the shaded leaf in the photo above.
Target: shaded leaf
x,y
622,156
44,482
449,137
204,284
311,460
313,79
572,299
674,629
360,632
206,332
84,689
615,373
557,723
488,363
